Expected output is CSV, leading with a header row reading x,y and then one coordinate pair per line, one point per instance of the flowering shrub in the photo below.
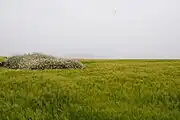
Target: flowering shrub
x,y
40,61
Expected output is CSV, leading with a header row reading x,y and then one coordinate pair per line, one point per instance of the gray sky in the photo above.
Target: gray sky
x,y
90,28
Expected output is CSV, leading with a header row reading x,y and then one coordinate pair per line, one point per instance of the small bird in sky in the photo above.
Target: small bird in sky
x,y
115,10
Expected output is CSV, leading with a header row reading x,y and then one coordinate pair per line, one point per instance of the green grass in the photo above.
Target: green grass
x,y
104,90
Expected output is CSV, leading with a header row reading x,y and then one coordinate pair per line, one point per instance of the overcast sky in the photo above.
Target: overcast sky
x,y
91,28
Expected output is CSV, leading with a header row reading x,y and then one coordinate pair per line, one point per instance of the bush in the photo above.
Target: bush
x,y
40,61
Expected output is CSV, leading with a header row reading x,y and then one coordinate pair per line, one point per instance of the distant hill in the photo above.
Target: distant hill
x,y
79,56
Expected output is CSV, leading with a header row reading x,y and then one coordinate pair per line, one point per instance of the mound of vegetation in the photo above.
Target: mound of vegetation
x,y
39,61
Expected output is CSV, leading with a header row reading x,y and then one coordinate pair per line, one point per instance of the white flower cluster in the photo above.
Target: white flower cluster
x,y
40,61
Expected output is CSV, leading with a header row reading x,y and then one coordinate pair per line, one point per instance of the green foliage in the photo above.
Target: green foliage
x,y
104,90
39,61
2,58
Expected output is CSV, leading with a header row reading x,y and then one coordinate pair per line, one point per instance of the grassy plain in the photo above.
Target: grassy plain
x,y
104,90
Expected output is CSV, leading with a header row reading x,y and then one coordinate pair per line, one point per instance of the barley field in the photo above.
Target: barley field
x,y
103,90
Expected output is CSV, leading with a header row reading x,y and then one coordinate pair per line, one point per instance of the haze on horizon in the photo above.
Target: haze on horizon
x,y
91,28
